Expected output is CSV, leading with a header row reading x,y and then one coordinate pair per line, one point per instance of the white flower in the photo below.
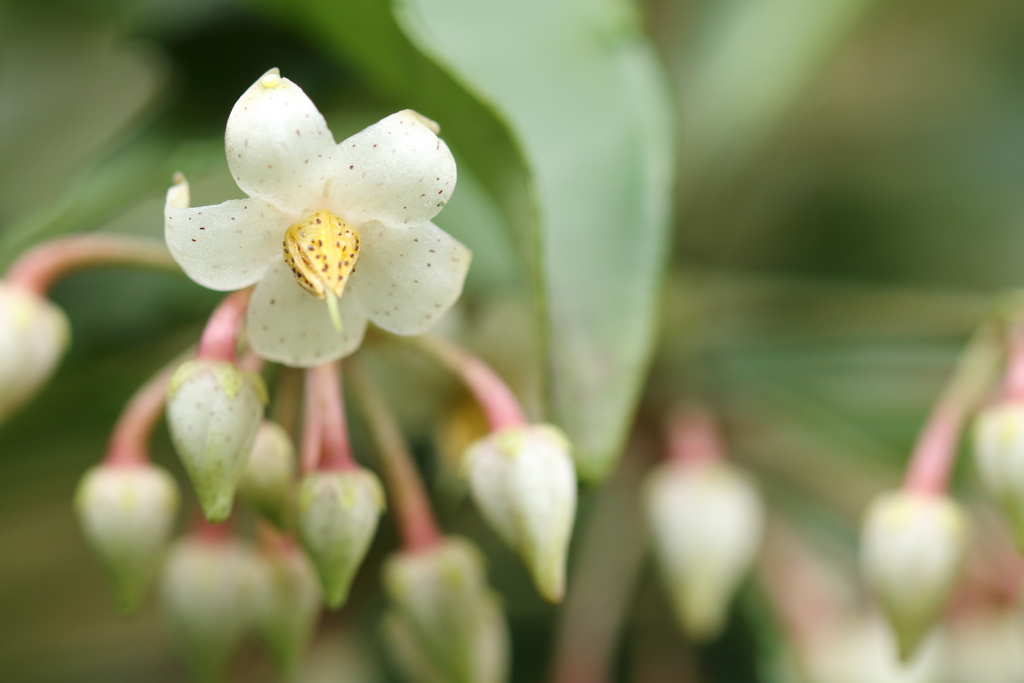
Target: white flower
x,y
524,483
344,223
707,521
912,549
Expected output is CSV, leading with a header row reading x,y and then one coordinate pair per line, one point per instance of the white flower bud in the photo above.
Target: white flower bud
x,y
912,549
985,646
127,514
524,483
707,523
445,623
999,454
338,513
267,479
286,604
33,336
214,410
207,588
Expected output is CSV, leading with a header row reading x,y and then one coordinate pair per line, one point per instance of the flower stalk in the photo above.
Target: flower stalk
x,y
325,442
415,519
495,397
39,268
693,437
220,337
129,443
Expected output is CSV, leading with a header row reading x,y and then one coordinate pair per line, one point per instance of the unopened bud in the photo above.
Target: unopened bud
x,y
33,336
912,549
524,483
286,604
213,413
707,523
207,588
267,479
127,515
338,513
999,454
445,623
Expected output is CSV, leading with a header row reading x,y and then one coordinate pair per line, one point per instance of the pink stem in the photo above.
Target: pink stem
x,y
220,338
336,452
935,451
693,437
495,397
41,266
312,424
208,532
129,443
415,519
1013,385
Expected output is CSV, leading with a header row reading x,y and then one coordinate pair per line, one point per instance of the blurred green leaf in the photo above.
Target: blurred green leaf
x,y
583,92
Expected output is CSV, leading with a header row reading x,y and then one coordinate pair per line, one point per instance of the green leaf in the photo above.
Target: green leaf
x,y
583,92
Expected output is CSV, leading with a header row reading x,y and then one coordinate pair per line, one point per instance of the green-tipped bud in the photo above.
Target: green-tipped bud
x,y
127,514
33,336
337,515
999,454
707,523
207,589
214,410
912,549
286,604
267,479
524,483
445,623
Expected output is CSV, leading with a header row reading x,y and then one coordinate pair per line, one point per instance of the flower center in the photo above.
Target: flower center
x,y
321,250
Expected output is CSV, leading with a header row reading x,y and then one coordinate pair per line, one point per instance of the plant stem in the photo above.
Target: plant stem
x,y
220,337
38,268
693,437
495,397
414,517
129,443
324,398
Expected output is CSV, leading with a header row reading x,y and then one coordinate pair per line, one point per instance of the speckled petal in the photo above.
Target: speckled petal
x,y
278,144
396,171
227,246
289,325
408,277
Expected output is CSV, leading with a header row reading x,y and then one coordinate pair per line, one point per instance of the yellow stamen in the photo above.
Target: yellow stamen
x,y
322,250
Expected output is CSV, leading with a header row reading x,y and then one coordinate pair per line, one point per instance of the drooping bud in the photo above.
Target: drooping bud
x,y
33,336
267,479
286,604
207,589
707,523
213,413
445,623
524,483
338,511
912,549
127,515
999,454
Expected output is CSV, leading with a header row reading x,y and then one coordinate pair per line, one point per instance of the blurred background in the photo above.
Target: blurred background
x,y
844,183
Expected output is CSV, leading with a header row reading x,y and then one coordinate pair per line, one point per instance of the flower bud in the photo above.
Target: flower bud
x,y
213,413
524,483
445,623
127,515
707,522
286,604
338,513
912,549
33,336
999,454
266,481
985,646
207,586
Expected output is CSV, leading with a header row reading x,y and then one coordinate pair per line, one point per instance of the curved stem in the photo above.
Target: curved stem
x,y
415,519
129,443
1013,385
693,437
220,337
335,450
38,268
496,398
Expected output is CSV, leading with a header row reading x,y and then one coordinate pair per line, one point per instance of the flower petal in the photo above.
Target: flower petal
x,y
227,246
278,144
396,171
407,278
289,325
